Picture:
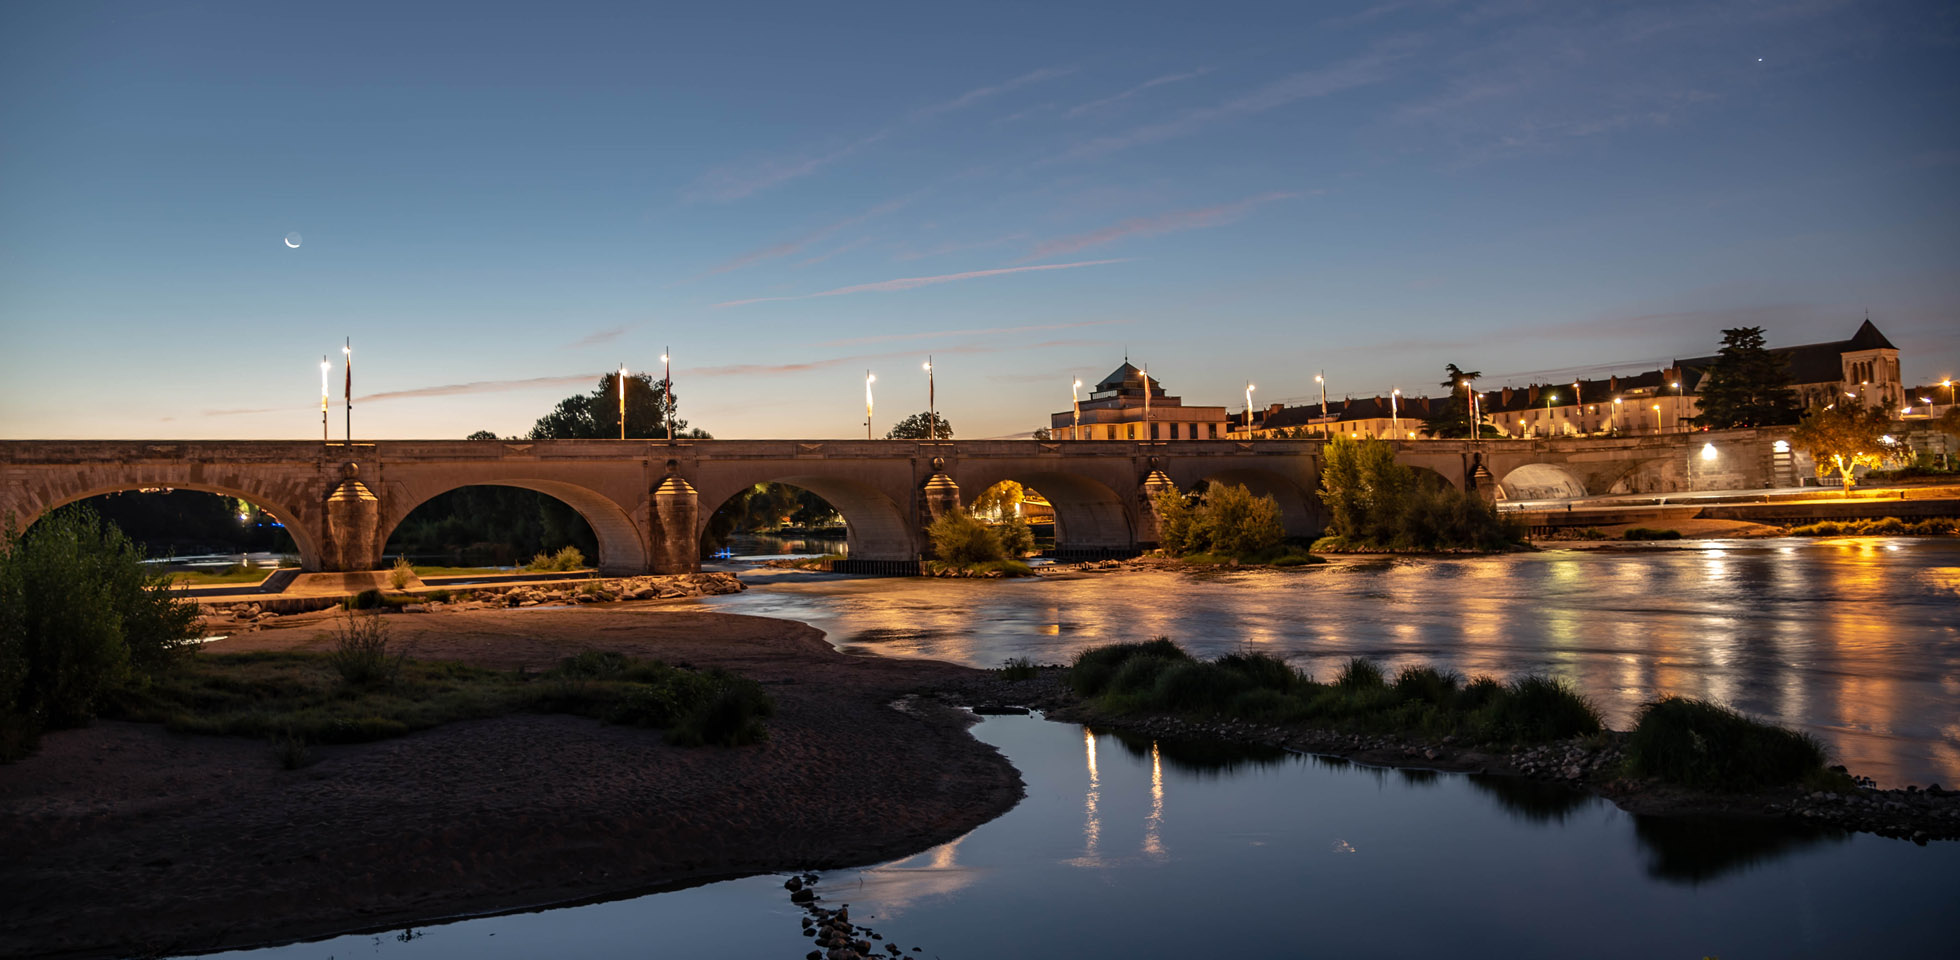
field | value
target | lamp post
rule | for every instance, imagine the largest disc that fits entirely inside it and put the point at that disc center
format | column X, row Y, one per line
column 324, row 394
column 1616, row 414
column 932, row 403
column 1075, row 402
column 1470, row 408
column 1321, row 378
column 1657, row 418
column 1394, row 415
column 1146, row 403
column 1248, row 409
column 667, row 368
column 347, row 389
column 868, row 380
column 622, row 401
column 1948, row 384
column 1549, row 397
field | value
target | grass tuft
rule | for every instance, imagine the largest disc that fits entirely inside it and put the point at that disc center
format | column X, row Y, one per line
column 1702, row 744
column 1018, row 668
column 360, row 651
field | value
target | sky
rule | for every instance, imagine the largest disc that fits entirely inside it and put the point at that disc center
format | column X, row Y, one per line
column 500, row 203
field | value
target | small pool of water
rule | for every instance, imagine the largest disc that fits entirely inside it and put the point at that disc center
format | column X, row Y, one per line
column 1131, row 848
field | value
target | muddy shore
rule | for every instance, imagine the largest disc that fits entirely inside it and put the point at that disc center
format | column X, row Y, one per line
column 123, row 839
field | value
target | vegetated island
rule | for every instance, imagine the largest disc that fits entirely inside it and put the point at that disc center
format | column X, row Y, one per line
column 1683, row 757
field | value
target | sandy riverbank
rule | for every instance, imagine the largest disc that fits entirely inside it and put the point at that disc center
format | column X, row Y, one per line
column 122, row 839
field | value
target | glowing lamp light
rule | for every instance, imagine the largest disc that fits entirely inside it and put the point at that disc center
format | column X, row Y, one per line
column 1708, row 451
column 1781, row 446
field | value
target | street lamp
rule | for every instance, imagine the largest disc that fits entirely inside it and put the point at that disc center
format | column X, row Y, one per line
column 868, row 380
column 1322, row 380
column 1075, row 402
column 932, row 403
column 1948, row 384
column 1248, row 409
column 1549, row 397
column 1470, row 408
column 1147, row 434
column 667, row 368
column 1657, row 418
column 347, row 390
column 1394, row 413
column 622, row 401
column 323, row 398
column 1616, row 414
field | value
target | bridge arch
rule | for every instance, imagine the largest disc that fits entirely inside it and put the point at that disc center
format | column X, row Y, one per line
column 1541, row 481
column 874, row 523
column 1089, row 514
column 298, row 525
column 622, row 545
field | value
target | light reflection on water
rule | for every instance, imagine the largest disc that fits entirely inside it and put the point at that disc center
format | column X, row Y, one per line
column 1856, row 640
column 1201, row 850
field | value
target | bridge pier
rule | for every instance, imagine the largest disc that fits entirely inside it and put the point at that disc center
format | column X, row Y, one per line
column 353, row 526
column 673, row 515
column 1149, row 533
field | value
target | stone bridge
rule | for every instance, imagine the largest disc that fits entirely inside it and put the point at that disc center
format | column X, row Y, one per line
column 649, row 502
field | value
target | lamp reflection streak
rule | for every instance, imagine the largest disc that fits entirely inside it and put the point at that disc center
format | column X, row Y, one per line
column 1091, row 816
column 1153, row 825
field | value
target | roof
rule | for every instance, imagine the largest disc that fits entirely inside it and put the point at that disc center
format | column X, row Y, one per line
column 1809, row 362
column 1127, row 380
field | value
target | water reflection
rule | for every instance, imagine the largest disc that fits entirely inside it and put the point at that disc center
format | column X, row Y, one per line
column 1697, row 850
column 1853, row 640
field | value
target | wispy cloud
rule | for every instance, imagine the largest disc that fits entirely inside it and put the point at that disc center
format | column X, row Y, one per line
column 736, row 181
column 1371, row 67
column 913, row 283
column 603, row 336
column 1081, row 109
column 860, row 359
column 795, row 246
column 990, row 331
column 1158, row 225
column 978, row 94
column 242, row 411
column 484, row 386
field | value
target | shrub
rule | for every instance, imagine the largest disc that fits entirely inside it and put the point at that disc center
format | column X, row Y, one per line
column 1360, row 673
column 565, row 560
column 1019, row 668
column 1375, row 503
column 1262, row 670
column 1229, row 523
column 731, row 717
column 360, row 652
column 1539, row 708
column 1703, row 744
column 1016, row 538
column 1096, row 667
column 1427, row 685
column 365, row 600
column 79, row 616
column 290, row 750
column 1649, row 533
column 959, row 539
column 400, row 573
column 594, row 663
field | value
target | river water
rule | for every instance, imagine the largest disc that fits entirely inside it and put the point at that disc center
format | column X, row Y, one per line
column 1135, row 848
column 1855, row 640
column 1129, row 848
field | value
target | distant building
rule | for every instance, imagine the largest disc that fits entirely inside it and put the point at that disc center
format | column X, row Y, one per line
column 1862, row 370
column 1116, row 410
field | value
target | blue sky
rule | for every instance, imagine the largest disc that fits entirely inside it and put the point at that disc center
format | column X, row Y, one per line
column 498, row 203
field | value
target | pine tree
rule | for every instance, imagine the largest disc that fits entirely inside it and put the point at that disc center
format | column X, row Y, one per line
column 1747, row 386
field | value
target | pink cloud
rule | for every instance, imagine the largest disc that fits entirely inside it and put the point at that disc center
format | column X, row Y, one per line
column 913, row 283
column 1157, row 225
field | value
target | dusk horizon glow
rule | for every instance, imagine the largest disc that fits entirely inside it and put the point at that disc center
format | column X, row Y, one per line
column 499, row 208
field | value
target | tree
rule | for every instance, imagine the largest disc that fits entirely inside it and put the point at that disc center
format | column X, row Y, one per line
column 1747, row 386
column 595, row 415
column 1842, row 439
column 482, row 435
column 1375, row 503
column 916, row 427
column 1452, row 418
column 999, row 500
column 1229, row 521
column 1041, row 433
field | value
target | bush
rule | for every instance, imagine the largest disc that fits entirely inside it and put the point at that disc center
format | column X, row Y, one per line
column 1016, row 538
column 1883, row 526
column 1019, row 668
column 1096, row 667
column 79, row 616
column 1702, row 744
column 360, row 652
column 1360, row 673
column 1540, row 708
column 1649, row 533
column 365, row 600
column 731, row 717
column 959, row 539
column 564, row 561
column 1427, row 685
column 1375, row 503
column 400, row 573
column 1229, row 523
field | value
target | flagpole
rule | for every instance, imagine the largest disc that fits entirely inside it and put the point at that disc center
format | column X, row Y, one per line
column 667, row 362
column 347, row 391
column 326, row 397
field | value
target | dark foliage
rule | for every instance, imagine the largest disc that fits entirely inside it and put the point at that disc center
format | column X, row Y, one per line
column 916, row 427
column 1703, row 744
column 1747, row 386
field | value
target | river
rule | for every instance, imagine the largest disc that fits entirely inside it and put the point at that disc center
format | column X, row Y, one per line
column 1129, row 848
column 1856, row 640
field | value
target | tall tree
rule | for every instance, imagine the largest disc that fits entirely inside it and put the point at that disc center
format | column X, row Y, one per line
column 1747, row 386
column 1841, row 439
column 595, row 415
column 1452, row 417
column 915, row 427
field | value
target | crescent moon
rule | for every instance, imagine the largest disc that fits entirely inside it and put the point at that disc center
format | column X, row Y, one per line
column 295, row 246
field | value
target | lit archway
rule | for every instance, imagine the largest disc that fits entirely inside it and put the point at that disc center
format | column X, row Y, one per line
column 621, row 546
column 1089, row 516
column 874, row 526
column 303, row 539
column 1299, row 512
column 1541, row 481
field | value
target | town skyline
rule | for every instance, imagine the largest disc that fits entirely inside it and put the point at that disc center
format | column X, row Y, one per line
column 202, row 203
